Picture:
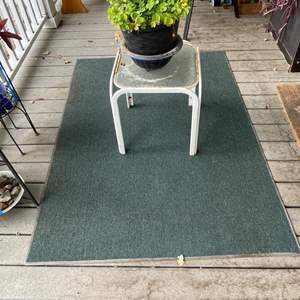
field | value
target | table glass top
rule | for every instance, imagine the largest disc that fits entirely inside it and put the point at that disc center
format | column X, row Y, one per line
column 181, row 71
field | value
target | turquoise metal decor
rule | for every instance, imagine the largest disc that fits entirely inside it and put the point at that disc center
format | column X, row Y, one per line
column 10, row 100
column 8, row 96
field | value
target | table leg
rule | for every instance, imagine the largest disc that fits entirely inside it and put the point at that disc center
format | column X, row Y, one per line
column 190, row 98
column 236, row 8
column 117, row 122
column 196, row 106
column 129, row 99
column 196, row 102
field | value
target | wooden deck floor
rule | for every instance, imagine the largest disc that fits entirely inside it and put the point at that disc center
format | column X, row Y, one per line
column 43, row 82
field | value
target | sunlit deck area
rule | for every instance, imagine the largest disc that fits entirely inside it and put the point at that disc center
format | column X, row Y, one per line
column 43, row 82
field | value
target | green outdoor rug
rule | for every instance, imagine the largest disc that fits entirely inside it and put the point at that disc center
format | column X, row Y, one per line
column 157, row 201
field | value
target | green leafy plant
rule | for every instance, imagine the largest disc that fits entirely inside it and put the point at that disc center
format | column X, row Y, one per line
column 133, row 15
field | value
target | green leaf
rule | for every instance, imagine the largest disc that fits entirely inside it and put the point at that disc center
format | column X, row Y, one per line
column 131, row 15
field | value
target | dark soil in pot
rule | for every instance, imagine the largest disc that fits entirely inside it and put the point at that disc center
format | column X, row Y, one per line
column 152, row 41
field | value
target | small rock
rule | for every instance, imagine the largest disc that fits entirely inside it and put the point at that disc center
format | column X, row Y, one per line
column 3, row 178
column 3, row 181
column 11, row 180
column 266, row 39
column 275, row 69
column 67, row 62
column 5, row 197
column 15, row 183
column 15, row 191
column 8, row 187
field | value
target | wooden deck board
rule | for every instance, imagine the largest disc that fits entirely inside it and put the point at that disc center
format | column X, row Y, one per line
column 32, row 172
column 259, row 65
column 281, row 151
column 257, row 88
column 43, row 106
column 40, row 120
column 290, row 192
column 54, row 93
column 267, row 116
column 43, row 82
column 47, row 136
column 134, row 283
column 19, row 221
column 285, row 171
column 274, row 133
column 262, row 102
column 294, row 214
column 266, row 76
column 34, row 153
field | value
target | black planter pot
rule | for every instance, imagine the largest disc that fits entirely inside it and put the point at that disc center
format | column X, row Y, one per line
column 152, row 41
column 289, row 39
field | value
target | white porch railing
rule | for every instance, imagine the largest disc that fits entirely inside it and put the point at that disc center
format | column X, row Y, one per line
column 26, row 18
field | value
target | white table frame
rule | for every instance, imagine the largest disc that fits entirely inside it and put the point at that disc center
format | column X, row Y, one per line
column 194, row 101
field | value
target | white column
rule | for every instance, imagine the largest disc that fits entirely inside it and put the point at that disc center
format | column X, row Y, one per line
column 53, row 11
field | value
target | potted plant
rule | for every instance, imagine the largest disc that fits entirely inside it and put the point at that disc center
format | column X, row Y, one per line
column 284, row 25
column 5, row 35
column 149, row 28
column 5, row 93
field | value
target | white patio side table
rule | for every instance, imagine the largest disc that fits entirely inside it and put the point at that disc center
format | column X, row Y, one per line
column 181, row 75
